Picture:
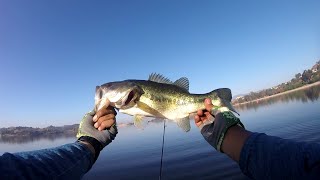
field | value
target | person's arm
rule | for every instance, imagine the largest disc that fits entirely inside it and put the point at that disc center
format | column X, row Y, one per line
column 70, row 161
column 259, row 156
column 225, row 136
column 269, row 157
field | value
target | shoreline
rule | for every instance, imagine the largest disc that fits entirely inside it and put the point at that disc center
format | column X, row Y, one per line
column 279, row 94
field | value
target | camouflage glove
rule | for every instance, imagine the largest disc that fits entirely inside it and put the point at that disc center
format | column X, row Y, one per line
column 214, row 129
column 98, row 139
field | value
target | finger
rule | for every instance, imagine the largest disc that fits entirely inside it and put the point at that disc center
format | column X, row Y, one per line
column 101, row 119
column 197, row 120
column 208, row 104
column 104, row 118
column 106, row 124
column 200, row 112
column 203, row 118
column 106, row 104
column 102, row 112
column 208, row 115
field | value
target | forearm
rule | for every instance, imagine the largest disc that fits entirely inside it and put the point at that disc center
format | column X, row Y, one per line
column 268, row 157
column 70, row 161
column 230, row 134
column 233, row 142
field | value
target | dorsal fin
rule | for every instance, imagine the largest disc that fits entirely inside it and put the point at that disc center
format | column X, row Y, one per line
column 159, row 78
column 183, row 83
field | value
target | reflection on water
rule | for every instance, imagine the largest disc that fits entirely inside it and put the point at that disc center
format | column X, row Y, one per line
column 304, row 95
column 34, row 145
column 30, row 139
column 30, row 134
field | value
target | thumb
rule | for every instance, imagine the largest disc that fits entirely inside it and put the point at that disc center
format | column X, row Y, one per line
column 208, row 104
column 103, row 104
column 107, row 102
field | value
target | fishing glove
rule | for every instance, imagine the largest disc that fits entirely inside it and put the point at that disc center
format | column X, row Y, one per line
column 98, row 139
column 214, row 130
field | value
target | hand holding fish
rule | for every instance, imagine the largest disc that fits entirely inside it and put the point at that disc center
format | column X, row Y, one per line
column 96, row 130
column 214, row 123
column 104, row 118
column 204, row 117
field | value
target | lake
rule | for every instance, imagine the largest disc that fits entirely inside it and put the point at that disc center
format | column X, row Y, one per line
column 135, row 153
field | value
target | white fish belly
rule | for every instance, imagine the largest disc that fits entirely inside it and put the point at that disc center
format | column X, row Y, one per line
column 135, row 111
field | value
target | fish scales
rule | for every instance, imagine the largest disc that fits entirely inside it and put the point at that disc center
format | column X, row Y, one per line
column 167, row 97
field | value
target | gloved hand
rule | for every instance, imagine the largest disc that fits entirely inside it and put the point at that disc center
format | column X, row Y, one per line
column 215, row 122
column 104, row 120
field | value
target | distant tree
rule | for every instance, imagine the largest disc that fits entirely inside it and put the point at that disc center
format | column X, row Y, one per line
column 298, row 75
column 315, row 77
column 269, row 92
column 263, row 93
column 306, row 75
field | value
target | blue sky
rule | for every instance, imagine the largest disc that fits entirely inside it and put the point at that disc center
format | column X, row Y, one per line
column 54, row 53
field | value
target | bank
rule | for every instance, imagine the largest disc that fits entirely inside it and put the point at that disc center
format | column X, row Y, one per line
column 279, row 94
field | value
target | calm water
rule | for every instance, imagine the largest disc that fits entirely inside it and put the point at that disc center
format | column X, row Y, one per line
column 136, row 153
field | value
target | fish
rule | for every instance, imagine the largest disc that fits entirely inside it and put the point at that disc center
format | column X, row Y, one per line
column 159, row 97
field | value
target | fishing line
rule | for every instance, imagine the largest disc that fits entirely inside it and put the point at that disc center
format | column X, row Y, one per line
column 164, row 130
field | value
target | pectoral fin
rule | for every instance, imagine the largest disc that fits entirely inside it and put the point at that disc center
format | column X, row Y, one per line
column 184, row 123
column 138, row 122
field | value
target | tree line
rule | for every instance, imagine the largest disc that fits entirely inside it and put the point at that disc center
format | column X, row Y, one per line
column 308, row 76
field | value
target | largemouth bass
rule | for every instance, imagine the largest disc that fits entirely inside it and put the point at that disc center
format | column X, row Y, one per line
column 158, row 97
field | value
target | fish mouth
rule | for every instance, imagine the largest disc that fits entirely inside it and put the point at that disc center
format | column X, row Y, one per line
column 131, row 97
column 128, row 98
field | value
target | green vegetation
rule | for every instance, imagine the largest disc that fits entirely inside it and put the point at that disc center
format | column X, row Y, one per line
column 308, row 76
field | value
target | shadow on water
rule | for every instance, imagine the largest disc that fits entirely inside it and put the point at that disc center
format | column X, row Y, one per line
column 304, row 95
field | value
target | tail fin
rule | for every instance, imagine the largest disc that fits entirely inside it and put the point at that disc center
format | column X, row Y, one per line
column 223, row 93
column 225, row 96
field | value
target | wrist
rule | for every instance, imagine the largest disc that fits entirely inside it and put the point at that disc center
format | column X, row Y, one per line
column 233, row 142
column 215, row 133
column 89, row 146
column 93, row 144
